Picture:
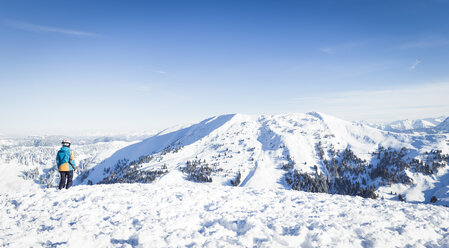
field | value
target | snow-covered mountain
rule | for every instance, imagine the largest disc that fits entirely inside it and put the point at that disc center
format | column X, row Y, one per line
column 443, row 126
column 311, row 152
column 178, row 187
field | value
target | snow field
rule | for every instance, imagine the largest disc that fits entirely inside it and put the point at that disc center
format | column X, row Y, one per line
column 165, row 214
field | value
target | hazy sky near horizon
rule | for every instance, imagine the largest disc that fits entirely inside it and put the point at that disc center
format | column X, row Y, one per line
column 72, row 67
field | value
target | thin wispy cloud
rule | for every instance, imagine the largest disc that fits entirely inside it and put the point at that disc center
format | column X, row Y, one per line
column 160, row 72
column 328, row 50
column 339, row 47
column 31, row 27
column 414, row 65
column 427, row 43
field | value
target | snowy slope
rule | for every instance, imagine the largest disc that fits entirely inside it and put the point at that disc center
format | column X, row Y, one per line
column 166, row 214
column 264, row 149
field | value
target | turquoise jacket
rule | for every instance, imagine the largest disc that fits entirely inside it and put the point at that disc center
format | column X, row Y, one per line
column 65, row 159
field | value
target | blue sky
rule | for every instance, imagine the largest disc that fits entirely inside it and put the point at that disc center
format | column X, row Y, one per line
column 73, row 67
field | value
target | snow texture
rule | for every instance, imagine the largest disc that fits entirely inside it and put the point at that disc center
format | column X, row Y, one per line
column 198, row 215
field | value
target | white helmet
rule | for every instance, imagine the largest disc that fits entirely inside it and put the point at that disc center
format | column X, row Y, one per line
column 66, row 142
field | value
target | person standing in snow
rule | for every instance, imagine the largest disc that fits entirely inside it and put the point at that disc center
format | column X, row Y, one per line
column 66, row 164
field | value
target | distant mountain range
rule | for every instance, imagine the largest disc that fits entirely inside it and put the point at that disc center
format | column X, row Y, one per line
column 429, row 125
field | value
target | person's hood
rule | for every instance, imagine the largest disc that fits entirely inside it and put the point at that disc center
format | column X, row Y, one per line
column 65, row 148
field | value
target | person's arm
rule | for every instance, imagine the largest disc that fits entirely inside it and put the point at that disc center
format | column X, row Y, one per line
column 72, row 160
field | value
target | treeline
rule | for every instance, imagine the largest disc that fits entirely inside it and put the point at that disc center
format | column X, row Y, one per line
column 198, row 171
column 132, row 172
column 347, row 174
column 124, row 172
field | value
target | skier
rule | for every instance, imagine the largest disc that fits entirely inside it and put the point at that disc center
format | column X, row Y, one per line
column 66, row 164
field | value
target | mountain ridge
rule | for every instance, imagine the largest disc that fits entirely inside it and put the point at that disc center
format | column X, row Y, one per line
column 284, row 151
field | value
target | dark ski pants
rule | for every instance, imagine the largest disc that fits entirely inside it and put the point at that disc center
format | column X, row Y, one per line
column 65, row 175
